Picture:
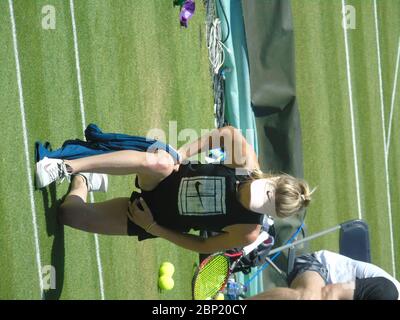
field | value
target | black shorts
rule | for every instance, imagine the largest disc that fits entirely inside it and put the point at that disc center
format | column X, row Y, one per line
column 307, row 262
column 134, row 229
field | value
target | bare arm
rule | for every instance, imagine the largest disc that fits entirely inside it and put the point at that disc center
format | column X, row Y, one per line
column 339, row 291
column 239, row 153
column 206, row 142
column 199, row 244
column 234, row 236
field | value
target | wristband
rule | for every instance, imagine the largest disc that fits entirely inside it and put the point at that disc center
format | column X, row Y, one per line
column 150, row 226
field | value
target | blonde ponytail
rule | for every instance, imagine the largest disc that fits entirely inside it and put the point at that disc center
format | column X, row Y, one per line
column 291, row 194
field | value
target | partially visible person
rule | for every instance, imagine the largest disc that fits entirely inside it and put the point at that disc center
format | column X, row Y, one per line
column 325, row 275
column 231, row 198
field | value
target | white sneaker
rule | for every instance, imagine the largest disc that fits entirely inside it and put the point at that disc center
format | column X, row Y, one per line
column 50, row 170
column 95, row 181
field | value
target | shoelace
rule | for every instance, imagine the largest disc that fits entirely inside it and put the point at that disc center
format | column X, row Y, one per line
column 59, row 172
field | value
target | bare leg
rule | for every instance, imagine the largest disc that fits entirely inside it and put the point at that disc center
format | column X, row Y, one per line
column 151, row 168
column 109, row 217
column 123, row 163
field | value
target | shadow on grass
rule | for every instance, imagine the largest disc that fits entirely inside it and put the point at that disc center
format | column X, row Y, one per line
column 56, row 230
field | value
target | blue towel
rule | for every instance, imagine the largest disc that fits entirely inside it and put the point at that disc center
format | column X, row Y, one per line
column 98, row 142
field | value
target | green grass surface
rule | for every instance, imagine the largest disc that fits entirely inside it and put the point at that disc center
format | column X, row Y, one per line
column 323, row 93
column 139, row 71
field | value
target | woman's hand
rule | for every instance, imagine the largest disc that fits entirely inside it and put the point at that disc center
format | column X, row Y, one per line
column 181, row 159
column 143, row 218
column 182, row 155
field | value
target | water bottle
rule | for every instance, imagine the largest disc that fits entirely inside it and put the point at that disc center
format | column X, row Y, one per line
column 215, row 156
column 234, row 289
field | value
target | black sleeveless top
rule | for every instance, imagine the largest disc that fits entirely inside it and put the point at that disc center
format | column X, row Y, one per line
column 200, row 197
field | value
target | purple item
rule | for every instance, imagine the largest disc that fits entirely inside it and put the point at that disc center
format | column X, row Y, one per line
column 187, row 12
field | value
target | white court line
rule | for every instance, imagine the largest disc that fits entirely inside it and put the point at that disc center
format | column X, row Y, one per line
column 353, row 133
column 82, row 108
column 26, row 149
column 378, row 52
column 393, row 100
column 389, row 201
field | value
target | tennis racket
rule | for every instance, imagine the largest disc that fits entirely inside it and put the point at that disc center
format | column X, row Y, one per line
column 212, row 274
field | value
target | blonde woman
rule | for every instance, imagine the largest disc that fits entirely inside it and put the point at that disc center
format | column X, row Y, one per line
column 230, row 198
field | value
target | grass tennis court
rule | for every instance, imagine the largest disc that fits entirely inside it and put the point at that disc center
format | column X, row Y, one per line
column 330, row 135
column 138, row 70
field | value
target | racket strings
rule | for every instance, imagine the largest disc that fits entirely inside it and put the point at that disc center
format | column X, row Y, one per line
column 211, row 278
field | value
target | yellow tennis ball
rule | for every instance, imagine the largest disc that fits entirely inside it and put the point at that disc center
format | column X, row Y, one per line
column 219, row 296
column 167, row 269
column 165, row 282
